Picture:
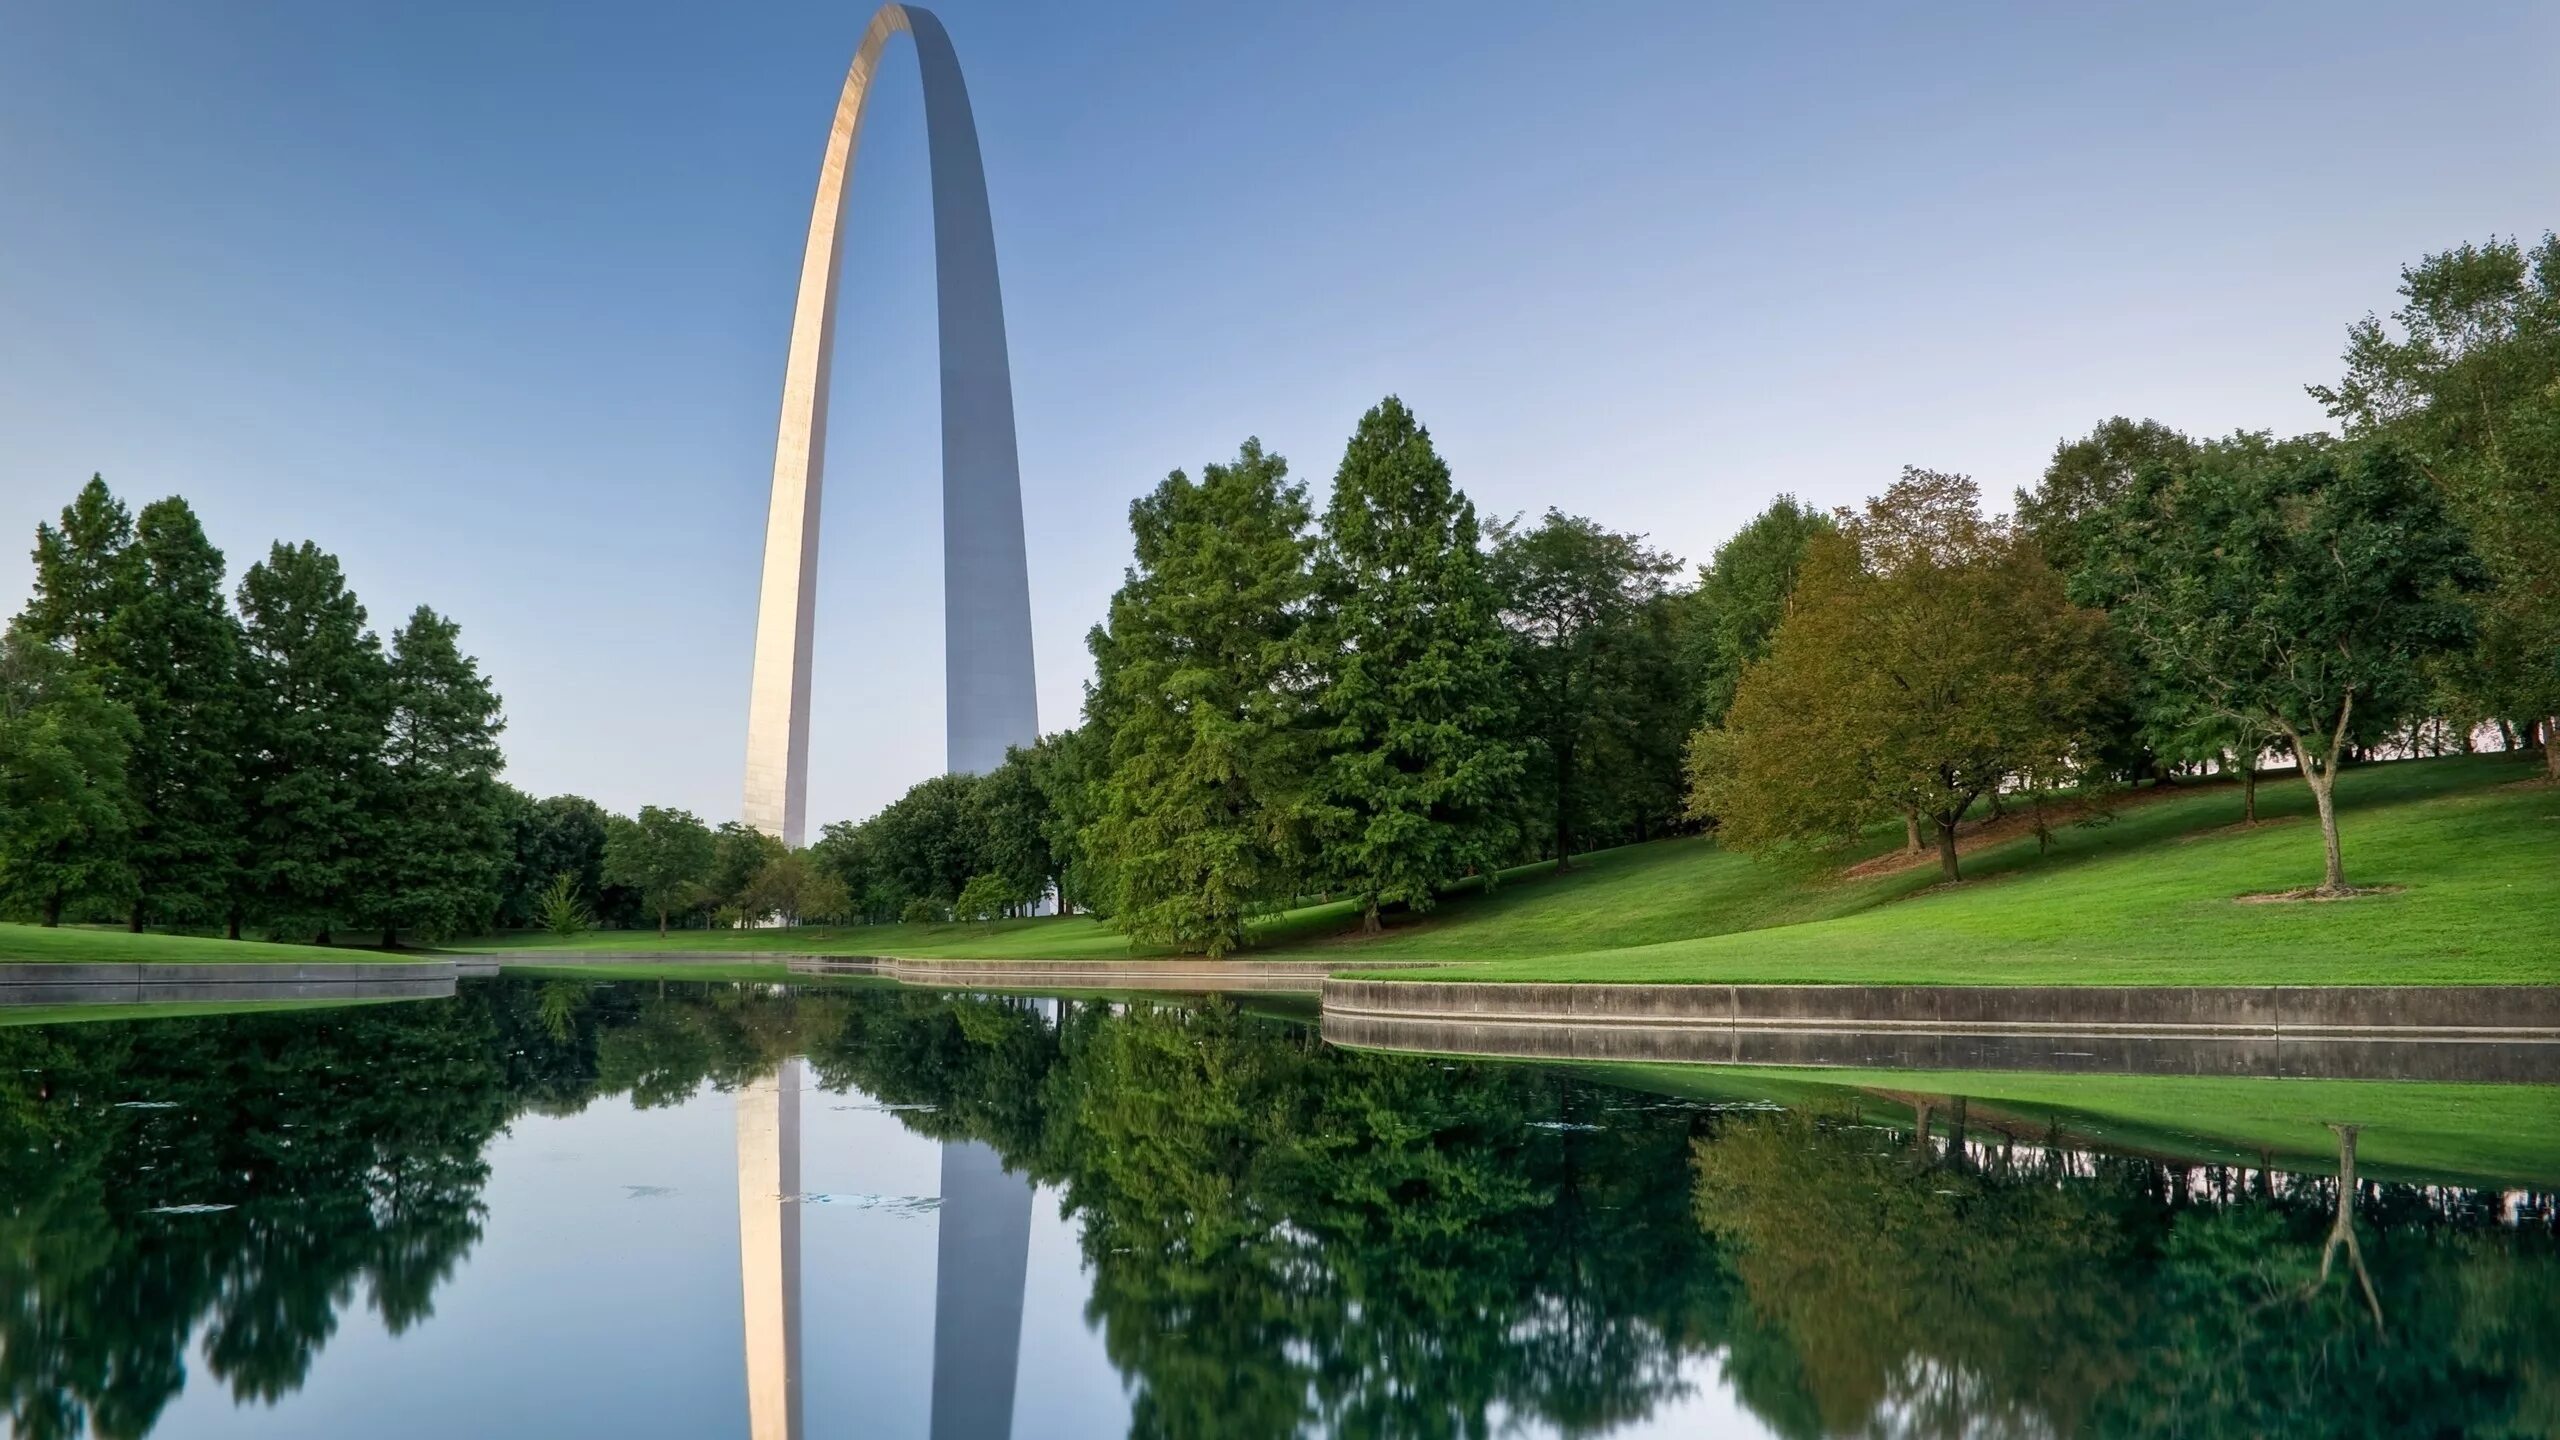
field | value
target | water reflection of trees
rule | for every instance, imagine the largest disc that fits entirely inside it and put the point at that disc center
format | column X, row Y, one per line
column 1282, row 1238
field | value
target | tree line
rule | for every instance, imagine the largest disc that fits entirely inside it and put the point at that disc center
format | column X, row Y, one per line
column 1384, row 699
column 1392, row 696
column 172, row 755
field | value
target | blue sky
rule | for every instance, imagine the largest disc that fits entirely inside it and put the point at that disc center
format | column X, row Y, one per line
column 490, row 298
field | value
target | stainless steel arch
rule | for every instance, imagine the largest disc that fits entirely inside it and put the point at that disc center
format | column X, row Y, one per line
column 986, row 591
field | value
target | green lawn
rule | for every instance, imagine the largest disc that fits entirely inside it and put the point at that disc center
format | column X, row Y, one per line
column 174, row 1010
column 2474, row 860
column 2492, row 1134
column 113, row 945
column 2147, row 898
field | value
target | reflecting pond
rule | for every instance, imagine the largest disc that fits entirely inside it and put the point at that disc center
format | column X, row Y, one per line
column 669, row 1209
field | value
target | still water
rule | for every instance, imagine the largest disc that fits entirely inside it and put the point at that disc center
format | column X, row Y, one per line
column 569, row 1208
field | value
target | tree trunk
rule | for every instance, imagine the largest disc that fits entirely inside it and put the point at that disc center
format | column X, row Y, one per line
column 662, row 924
column 2249, row 793
column 1947, row 850
column 322, row 938
column 2323, row 780
column 51, row 914
column 133, row 918
column 2551, row 748
column 1369, row 924
column 1996, row 810
column 1910, row 831
column 231, row 928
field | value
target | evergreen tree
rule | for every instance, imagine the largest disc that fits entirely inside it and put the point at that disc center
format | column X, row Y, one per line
column 173, row 656
column 1199, row 701
column 1418, row 770
column 442, row 824
column 81, row 572
column 547, row 838
column 65, row 819
column 319, row 698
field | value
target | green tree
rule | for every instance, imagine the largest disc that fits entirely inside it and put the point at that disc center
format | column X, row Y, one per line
column 1419, row 773
column 739, row 853
column 1200, row 695
column 2466, row 379
column 443, row 824
column 173, row 652
column 986, row 897
column 1013, row 809
column 1742, row 595
column 794, row 888
column 2301, row 588
column 318, row 697
column 1577, row 599
column 933, row 838
column 2088, row 475
column 65, row 814
column 1930, row 657
column 82, row 577
column 560, row 909
column 564, row 833
column 665, row 856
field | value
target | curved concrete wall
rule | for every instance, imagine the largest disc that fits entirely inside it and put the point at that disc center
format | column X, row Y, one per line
column 986, row 589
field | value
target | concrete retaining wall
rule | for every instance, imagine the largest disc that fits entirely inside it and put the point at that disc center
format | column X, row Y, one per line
column 146, row 983
column 2518, row 1012
column 1304, row 977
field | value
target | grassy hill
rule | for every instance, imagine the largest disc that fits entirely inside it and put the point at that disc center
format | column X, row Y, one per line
column 2148, row 894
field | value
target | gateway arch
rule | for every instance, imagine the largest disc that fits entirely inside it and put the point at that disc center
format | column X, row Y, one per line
column 986, row 590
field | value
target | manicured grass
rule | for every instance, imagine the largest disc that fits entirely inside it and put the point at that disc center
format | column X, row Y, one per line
column 2146, row 898
column 102, row 946
column 2487, row 1134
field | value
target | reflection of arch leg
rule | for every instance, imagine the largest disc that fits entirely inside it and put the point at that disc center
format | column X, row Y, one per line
column 769, row 1249
column 979, row 1264
column 987, row 660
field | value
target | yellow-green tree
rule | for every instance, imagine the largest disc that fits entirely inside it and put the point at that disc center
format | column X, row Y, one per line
column 1929, row 657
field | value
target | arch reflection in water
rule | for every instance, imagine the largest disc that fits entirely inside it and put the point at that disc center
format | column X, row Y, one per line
column 982, row 1257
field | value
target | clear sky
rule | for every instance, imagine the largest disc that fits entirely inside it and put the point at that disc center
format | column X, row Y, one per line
column 490, row 297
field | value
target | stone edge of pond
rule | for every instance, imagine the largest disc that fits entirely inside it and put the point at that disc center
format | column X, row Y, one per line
column 2450, row 1012
column 47, row 982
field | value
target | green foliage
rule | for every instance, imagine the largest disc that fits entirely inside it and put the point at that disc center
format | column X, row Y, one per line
column 318, row 704
column 2296, row 587
column 1930, row 657
column 933, row 838
column 2087, row 477
column 1021, row 827
column 2470, row 385
column 546, row 838
column 560, row 909
column 985, row 897
column 1742, row 595
column 1199, row 700
column 443, row 823
column 173, row 652
column 1580, row 602
column 82, row 577
column 920, row 911
column 664, row 856
column 1418, row 772
column 793, row 887
column 739, row 853
column 65, row 819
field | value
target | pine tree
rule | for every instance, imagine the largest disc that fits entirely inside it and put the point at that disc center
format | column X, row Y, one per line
column 64, row 813
column 442, row 820
column 1419, row 772
column 172, row 654
column 319, row 699
column 1200, row 687
column 81, row 572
